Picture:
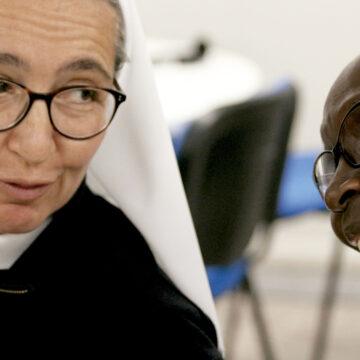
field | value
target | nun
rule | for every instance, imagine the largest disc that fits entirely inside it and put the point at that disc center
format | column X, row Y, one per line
column 97, row 250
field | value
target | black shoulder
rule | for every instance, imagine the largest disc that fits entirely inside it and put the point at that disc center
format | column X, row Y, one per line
column 123, row 257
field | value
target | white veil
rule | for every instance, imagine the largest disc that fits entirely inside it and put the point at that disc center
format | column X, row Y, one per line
column 135, row 169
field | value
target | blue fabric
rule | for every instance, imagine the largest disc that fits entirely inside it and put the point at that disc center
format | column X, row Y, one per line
column 298, row 193
column 178, row 134
column 224, row 278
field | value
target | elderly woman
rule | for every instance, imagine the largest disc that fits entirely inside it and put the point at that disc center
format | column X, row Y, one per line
column 337, row 169
column 76, row 273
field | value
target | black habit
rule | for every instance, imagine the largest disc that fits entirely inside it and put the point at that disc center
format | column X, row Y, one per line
column 90, row 284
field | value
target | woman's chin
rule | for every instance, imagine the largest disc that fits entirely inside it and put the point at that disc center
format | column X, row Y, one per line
column 17, row 219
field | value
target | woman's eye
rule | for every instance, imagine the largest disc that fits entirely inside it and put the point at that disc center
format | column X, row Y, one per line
column 84, row 95
column 4, row 86
column 76, row 97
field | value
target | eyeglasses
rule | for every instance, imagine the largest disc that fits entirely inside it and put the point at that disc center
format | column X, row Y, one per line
column 326, row 163
column 76, row 112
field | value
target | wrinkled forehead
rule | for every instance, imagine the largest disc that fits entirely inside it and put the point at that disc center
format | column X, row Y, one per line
column 344, row 93
column 94, row 9
column 45, row 35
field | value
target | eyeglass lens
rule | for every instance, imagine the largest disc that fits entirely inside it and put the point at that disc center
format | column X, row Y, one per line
column 77, row 112
column 325, row 168
column 83, row 111
column 14, row 101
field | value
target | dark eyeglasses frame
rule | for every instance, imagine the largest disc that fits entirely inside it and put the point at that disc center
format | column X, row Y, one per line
column 337, row 150
column 48, row 98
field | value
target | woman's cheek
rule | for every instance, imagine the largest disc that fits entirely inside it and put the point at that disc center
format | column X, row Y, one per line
column 77, row 154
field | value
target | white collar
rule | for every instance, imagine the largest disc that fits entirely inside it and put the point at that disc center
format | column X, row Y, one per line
column 12, row 246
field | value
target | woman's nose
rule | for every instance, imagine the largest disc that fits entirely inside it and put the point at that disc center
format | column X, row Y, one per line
column 33, row 138
column 343, row 187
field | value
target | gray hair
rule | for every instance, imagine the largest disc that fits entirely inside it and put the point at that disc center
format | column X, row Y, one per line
column 120, row 55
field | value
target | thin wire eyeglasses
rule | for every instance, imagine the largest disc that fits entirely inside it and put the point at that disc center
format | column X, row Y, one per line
column 76, row 112
column 326, row 163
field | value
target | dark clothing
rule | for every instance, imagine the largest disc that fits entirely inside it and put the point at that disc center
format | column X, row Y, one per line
column 89, row 284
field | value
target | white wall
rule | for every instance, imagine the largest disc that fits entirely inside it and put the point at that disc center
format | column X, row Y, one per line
column 310, row 41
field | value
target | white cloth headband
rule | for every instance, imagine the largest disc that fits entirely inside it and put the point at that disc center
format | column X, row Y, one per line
column 135, row 169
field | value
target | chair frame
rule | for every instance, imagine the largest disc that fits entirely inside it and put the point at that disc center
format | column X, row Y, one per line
column 273, row 111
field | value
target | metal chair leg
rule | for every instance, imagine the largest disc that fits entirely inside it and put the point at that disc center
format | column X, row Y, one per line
column 264, row 338
column 232, row 323
column 327, row 302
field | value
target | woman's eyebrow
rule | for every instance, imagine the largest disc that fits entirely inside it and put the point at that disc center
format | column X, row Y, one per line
column 84, row 64
column 80, row 64
column 9, row 59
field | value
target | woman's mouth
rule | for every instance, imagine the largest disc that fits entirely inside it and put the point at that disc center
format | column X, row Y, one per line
column 23, row 190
